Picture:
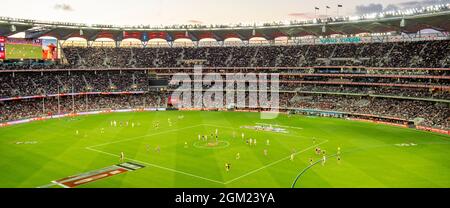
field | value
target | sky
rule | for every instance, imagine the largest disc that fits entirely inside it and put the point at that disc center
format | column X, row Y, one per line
column 165, row 12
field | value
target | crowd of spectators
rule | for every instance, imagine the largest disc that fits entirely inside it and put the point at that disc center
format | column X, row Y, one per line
column 384, row 91
column 33, row 108
column 432, row 114
column 429, row 54
column 49, row 83
column 435, row 115
column 300, row 87
column 62, row 82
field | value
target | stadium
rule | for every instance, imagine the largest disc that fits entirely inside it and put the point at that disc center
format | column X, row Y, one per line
column 334, row 102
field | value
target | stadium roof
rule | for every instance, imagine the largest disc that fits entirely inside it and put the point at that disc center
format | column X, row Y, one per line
column 439, row 21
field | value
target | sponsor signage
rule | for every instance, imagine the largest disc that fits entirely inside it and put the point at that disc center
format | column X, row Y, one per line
column 2, row 47
column 340, row 40
column 95, row 175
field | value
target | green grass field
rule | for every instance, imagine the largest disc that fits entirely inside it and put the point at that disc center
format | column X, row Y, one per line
column 34, row 154
column 22, row 51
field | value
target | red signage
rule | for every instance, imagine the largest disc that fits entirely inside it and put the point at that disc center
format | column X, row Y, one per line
column 206, row 35
column 231, row 35
column 136, row 35
column 278, row 34
column 105, row 35
column 157, row 35
column 180, row 35
column 2, row 47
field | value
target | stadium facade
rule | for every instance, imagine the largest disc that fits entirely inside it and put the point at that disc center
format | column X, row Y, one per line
column 410, row 22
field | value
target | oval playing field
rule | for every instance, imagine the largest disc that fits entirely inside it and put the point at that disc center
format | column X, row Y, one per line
column 85, row 152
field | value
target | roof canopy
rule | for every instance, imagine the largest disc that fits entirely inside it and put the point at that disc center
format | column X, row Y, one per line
column 439, row 21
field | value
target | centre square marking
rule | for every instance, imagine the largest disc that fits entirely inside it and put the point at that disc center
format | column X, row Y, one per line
column 179, row 155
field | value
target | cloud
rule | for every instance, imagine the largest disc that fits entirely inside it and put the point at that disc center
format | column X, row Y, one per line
column 423, row 3
column 376, row 8
column 63, row 7
column 301, row 15
column 391, row 7
column 370, row 8
column 195, row 21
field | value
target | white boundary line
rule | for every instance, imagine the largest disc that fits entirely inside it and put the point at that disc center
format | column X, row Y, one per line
column 91, row 148
column 60, row 184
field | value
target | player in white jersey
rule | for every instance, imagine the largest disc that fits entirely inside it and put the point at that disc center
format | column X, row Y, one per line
column 324, row 160
column 292, row 156
column 122, row 156
column 251, row 141
column 199, row 137
column 266, row 152
column 254, row 142
column 238, row 156
column 132, row 125
column 268, row 142
column 243, row 136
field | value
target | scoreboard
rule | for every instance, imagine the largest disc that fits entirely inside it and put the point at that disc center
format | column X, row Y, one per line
column 2, row 47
